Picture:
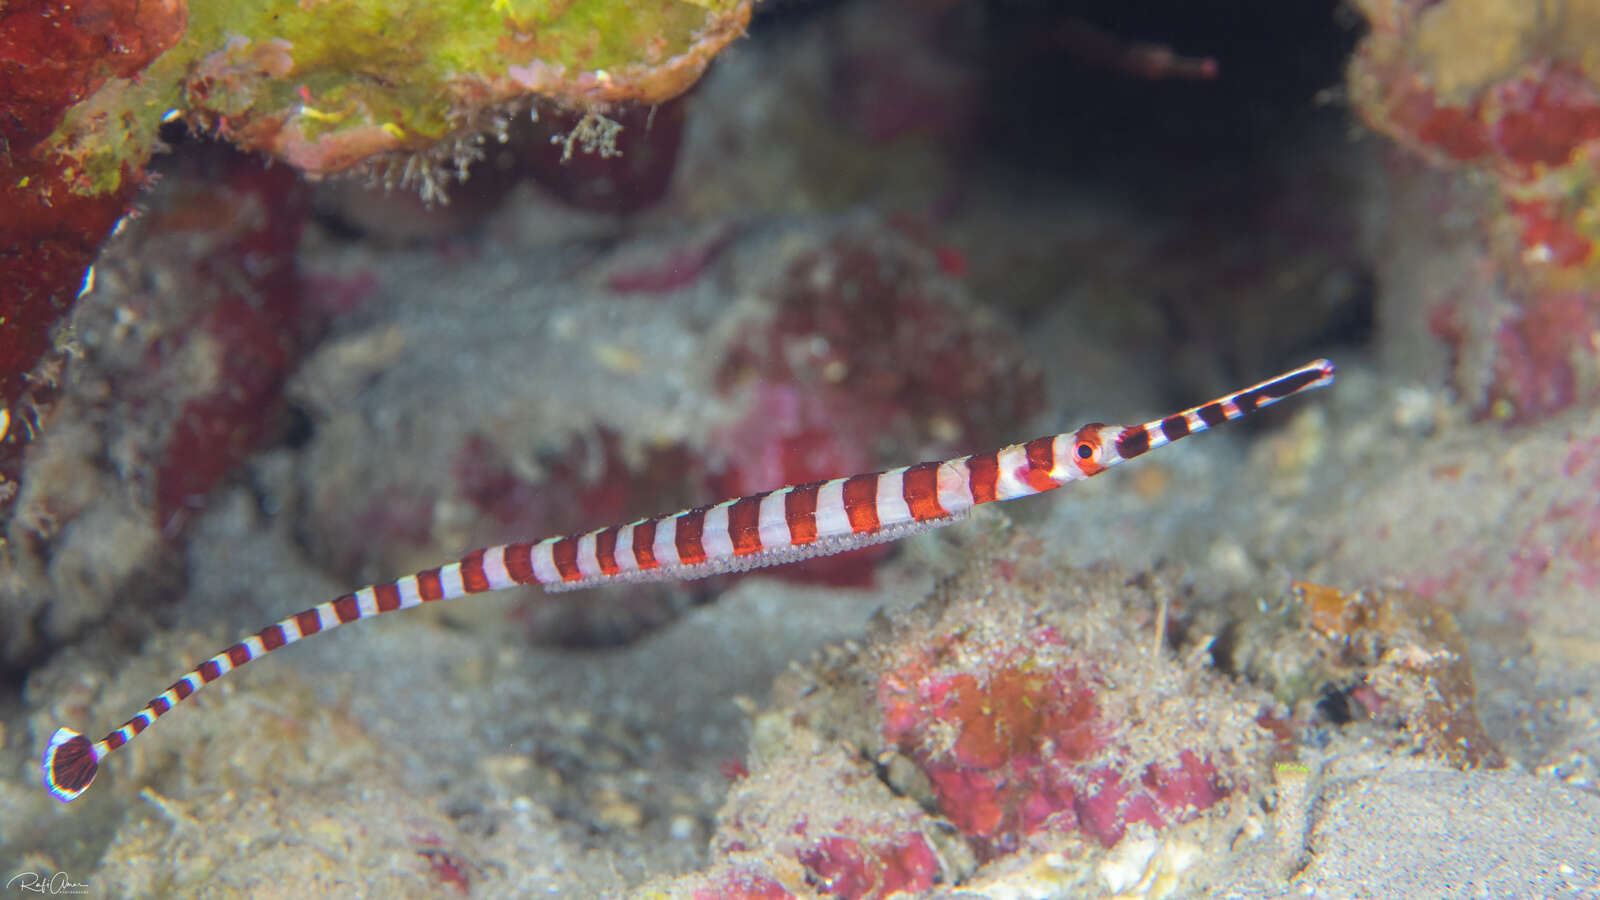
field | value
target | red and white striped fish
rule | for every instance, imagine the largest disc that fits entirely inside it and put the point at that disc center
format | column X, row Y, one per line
column 767, row 529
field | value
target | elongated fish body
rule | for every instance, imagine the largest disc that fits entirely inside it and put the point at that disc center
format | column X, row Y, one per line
column 780, row 526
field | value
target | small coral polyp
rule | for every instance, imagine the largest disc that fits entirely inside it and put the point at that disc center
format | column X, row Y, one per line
column 1017, row 742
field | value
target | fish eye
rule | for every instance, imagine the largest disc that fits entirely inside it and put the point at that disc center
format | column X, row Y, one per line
column 1085, row 450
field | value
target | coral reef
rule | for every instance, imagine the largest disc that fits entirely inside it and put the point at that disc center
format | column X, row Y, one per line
column 1051, row 715
column 51, row 230
column 1119, row 691
column 1508, row 94
column 1027, row 712
column 1021, row 742
column 388, row 87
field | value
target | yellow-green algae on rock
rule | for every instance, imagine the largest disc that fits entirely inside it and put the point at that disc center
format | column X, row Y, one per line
column 327, row 84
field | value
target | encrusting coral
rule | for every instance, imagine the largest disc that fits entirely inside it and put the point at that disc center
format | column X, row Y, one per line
column 1020, row 716
column 402, row 90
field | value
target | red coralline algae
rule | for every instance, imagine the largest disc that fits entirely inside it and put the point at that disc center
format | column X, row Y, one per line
column 1543, row 116
column 1535, row 375
column 88, row 87
column 867, row 357
column 852, row 870
column 1019, row 744
column 51, row 57
column 733, row 769
column 869, row 326
column 447, row 868
column 863, row 867
column 1549, row 234
column 1539, row 118
column 255, row 325
column 1523, row 115
column 997, row 722
column 1452, row 129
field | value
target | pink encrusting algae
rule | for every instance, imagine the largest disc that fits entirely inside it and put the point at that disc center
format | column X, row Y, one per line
column 1017, row 713
column 853, row 870
column 771, row 528
column 1018, row 743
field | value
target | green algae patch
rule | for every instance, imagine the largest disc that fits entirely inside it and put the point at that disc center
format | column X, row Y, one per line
column 329, row 85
